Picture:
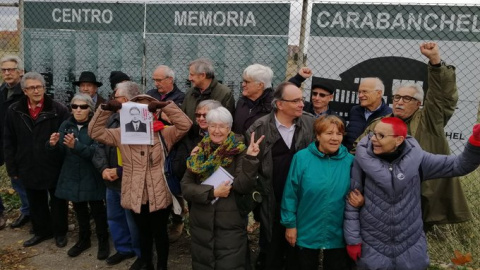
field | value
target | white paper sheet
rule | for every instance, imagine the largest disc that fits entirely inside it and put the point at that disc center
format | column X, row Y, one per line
column 136, row 124
column 217, row 178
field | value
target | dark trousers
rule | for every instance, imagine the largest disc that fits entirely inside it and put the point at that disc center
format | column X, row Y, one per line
column 152, row 227
column 99, row 214
column 300, row 258
column 48, row 217
column 277, row 248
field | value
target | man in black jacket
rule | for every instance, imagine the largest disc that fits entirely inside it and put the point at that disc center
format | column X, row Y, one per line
column 165, row 88
column 28, row 126
column 287, row 130
column 372, row 106
column 135, row 125
column 256, row 99
column 11, row 92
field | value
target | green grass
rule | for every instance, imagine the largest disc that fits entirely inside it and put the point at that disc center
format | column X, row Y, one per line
column 11, row 201
column 464, row 237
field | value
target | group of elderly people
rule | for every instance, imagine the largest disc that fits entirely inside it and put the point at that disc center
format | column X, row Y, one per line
column 309, row 192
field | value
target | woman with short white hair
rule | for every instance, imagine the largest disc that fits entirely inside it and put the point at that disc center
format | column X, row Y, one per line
column 219, row 236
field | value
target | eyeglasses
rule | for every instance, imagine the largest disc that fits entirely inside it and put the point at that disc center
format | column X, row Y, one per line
column 314, row 94
column 34, row 87
column 82, row 106
column 115, row 97
column 159, row 80
column 406, row 99
column 296, row 101
column 247, row 82
column 198, row 115
column 221, row 127
column 9, row 70
column 379, row 136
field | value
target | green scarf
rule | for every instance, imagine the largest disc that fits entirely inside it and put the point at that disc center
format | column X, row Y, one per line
column 207, row 160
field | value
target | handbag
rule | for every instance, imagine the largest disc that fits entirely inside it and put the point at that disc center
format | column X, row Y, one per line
column 247, row 202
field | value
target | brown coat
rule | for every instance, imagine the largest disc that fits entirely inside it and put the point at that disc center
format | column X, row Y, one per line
column 143, row 173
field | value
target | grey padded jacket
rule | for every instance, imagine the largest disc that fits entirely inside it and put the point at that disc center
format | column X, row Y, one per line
column 389, row 225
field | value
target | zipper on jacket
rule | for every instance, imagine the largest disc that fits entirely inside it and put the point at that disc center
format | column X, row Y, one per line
column 392, row 214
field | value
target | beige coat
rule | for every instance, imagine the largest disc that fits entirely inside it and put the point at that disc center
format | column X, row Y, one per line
column 143, row 174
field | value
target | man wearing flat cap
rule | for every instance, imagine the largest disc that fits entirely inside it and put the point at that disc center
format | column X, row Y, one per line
column 87, row 84
column 320, row 96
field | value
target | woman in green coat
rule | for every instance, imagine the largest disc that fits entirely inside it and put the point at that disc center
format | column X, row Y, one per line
column 314, row 199
column 79, row 181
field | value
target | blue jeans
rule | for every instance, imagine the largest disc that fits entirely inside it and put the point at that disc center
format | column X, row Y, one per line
column 17, row 185
column 122, row 225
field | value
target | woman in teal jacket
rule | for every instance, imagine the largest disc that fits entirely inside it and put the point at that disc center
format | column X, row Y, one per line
column 79, row 181
column 314, row 199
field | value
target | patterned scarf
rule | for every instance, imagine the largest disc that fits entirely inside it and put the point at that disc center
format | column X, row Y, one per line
column 208, row 159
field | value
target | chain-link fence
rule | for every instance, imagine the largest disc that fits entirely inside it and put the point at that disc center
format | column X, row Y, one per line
column 339, row 42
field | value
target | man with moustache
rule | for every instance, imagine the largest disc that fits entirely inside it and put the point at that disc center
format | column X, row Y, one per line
column 443, row 201
column 287, row 129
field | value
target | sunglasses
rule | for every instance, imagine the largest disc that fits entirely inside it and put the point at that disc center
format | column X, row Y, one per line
column 198, row 115
column 314, row 94
column 76, row 106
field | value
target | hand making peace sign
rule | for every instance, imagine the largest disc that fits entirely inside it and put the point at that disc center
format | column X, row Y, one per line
column 253, row 148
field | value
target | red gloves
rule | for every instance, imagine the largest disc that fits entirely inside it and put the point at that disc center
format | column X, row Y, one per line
column 475, row 138
column 112, row 105
column 354, row 251
column 154, row 105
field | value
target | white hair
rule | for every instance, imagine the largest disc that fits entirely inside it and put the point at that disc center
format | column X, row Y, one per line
column 128, row 89
column 378, row 83
column 168, row 72
column 210, row 104
column 259, row 73
column 418, row 90
column 32, row 76
column 12, row 58
column 220, row 115
column 85, row 98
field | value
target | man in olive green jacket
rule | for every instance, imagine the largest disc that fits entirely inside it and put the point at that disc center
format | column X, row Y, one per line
column 205, row 86
column 443, row 201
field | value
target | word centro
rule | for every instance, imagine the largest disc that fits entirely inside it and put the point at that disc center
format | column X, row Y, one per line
column 85, row 15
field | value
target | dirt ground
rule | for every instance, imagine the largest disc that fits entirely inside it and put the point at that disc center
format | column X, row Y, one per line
column 48, row 256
